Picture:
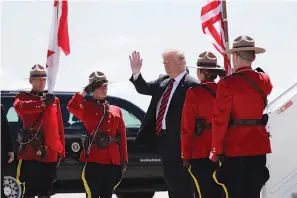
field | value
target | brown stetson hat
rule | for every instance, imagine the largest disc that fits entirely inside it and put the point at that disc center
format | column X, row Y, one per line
column 208, row 61
column 37, row 72
column 98, row 76
column 244, row 43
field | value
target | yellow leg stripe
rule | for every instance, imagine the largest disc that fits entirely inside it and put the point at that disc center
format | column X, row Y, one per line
column 83, row 177
column 118, row 182
column 17, row 177
column 195, row 181
column 18, row 172
column 221, row 184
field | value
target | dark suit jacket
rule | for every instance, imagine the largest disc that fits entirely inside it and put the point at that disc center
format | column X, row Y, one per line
column 146, row 134
column 6, row 138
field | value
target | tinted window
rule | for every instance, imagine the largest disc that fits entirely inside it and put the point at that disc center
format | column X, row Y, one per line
column 72, row 122
column 69, row 120
column 130, row 120
column 12, row 115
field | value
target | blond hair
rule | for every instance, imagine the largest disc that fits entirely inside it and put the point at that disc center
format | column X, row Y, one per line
column 180, row 54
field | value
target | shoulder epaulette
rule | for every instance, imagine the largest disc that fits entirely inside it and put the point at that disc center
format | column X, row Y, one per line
column 195, row 85
column 258, row 69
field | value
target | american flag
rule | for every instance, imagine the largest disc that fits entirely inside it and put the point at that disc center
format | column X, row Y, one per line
column 59, row 40
column 213, row 25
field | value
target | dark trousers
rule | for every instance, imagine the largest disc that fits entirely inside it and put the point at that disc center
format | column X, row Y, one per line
column 2, row 180
column 244, row 176
column 100, row 179
column 37, row 177
column 177, row 177
column 202, row 170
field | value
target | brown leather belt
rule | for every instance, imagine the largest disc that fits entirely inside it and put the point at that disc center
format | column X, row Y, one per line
column 247, row 122
column 208, row 126
column 109, row 139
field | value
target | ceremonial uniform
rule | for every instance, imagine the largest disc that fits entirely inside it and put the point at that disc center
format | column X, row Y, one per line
column 196, row 130
column 239, row 127
column 41, row 141
column 102, row 171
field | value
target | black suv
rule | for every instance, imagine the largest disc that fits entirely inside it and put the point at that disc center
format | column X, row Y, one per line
column 144, row 174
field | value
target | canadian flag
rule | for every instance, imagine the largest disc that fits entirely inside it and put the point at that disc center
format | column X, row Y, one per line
column 59, row 39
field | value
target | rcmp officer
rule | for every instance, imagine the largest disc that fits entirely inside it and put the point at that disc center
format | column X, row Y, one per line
column 196, row 127
column 41, row 141
column 240, row 139
column 105, row 146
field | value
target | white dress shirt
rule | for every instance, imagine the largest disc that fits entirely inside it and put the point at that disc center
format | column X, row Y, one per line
column 175, row 84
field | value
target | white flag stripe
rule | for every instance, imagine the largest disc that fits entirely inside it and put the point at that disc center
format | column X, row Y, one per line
column 210, row 14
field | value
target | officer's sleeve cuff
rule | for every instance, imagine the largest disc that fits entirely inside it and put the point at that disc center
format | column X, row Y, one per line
column 216, row 151
column 185, row 156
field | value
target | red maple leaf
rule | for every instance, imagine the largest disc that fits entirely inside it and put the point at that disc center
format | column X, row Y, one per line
column 49, row 53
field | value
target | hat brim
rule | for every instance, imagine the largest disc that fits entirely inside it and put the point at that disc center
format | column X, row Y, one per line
column 257, row 50
column 219, row 69
column 105, row 83
column 35, row 78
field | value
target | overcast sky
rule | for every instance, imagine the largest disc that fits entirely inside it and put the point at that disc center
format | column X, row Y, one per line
column 103, row 33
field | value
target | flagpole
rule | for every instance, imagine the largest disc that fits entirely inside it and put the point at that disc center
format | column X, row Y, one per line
column 225, row 21
column 226, row 31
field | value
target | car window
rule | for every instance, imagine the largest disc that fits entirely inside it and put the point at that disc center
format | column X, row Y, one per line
column 73, row 122
column 11, row 115
column 130, row 120
column 69, row 120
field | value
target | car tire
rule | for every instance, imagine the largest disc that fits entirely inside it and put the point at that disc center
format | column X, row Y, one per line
column 11, row 187
column 136, row 195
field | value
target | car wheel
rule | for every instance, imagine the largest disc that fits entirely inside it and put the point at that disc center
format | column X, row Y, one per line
column 136, row 195
column 11, row 187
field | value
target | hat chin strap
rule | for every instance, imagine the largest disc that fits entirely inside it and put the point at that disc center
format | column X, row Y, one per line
column 245, row 58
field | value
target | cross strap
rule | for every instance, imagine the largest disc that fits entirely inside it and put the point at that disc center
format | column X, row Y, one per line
column 212, row 92
column 253, row 84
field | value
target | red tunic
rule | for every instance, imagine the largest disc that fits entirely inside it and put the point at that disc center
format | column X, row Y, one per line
column 199, row 103
column 90, row 114
column 28, row 107
column 237, row 96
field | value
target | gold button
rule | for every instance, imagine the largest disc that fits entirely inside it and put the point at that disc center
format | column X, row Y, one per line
column 108, row 129
column 108, row 120
column 96, row 113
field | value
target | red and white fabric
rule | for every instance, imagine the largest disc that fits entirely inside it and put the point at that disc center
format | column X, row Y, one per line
column 213, row 25
column 59, row 40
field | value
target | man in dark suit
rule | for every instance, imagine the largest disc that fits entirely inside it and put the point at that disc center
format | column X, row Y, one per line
column 161, row 125
column 7, row 154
